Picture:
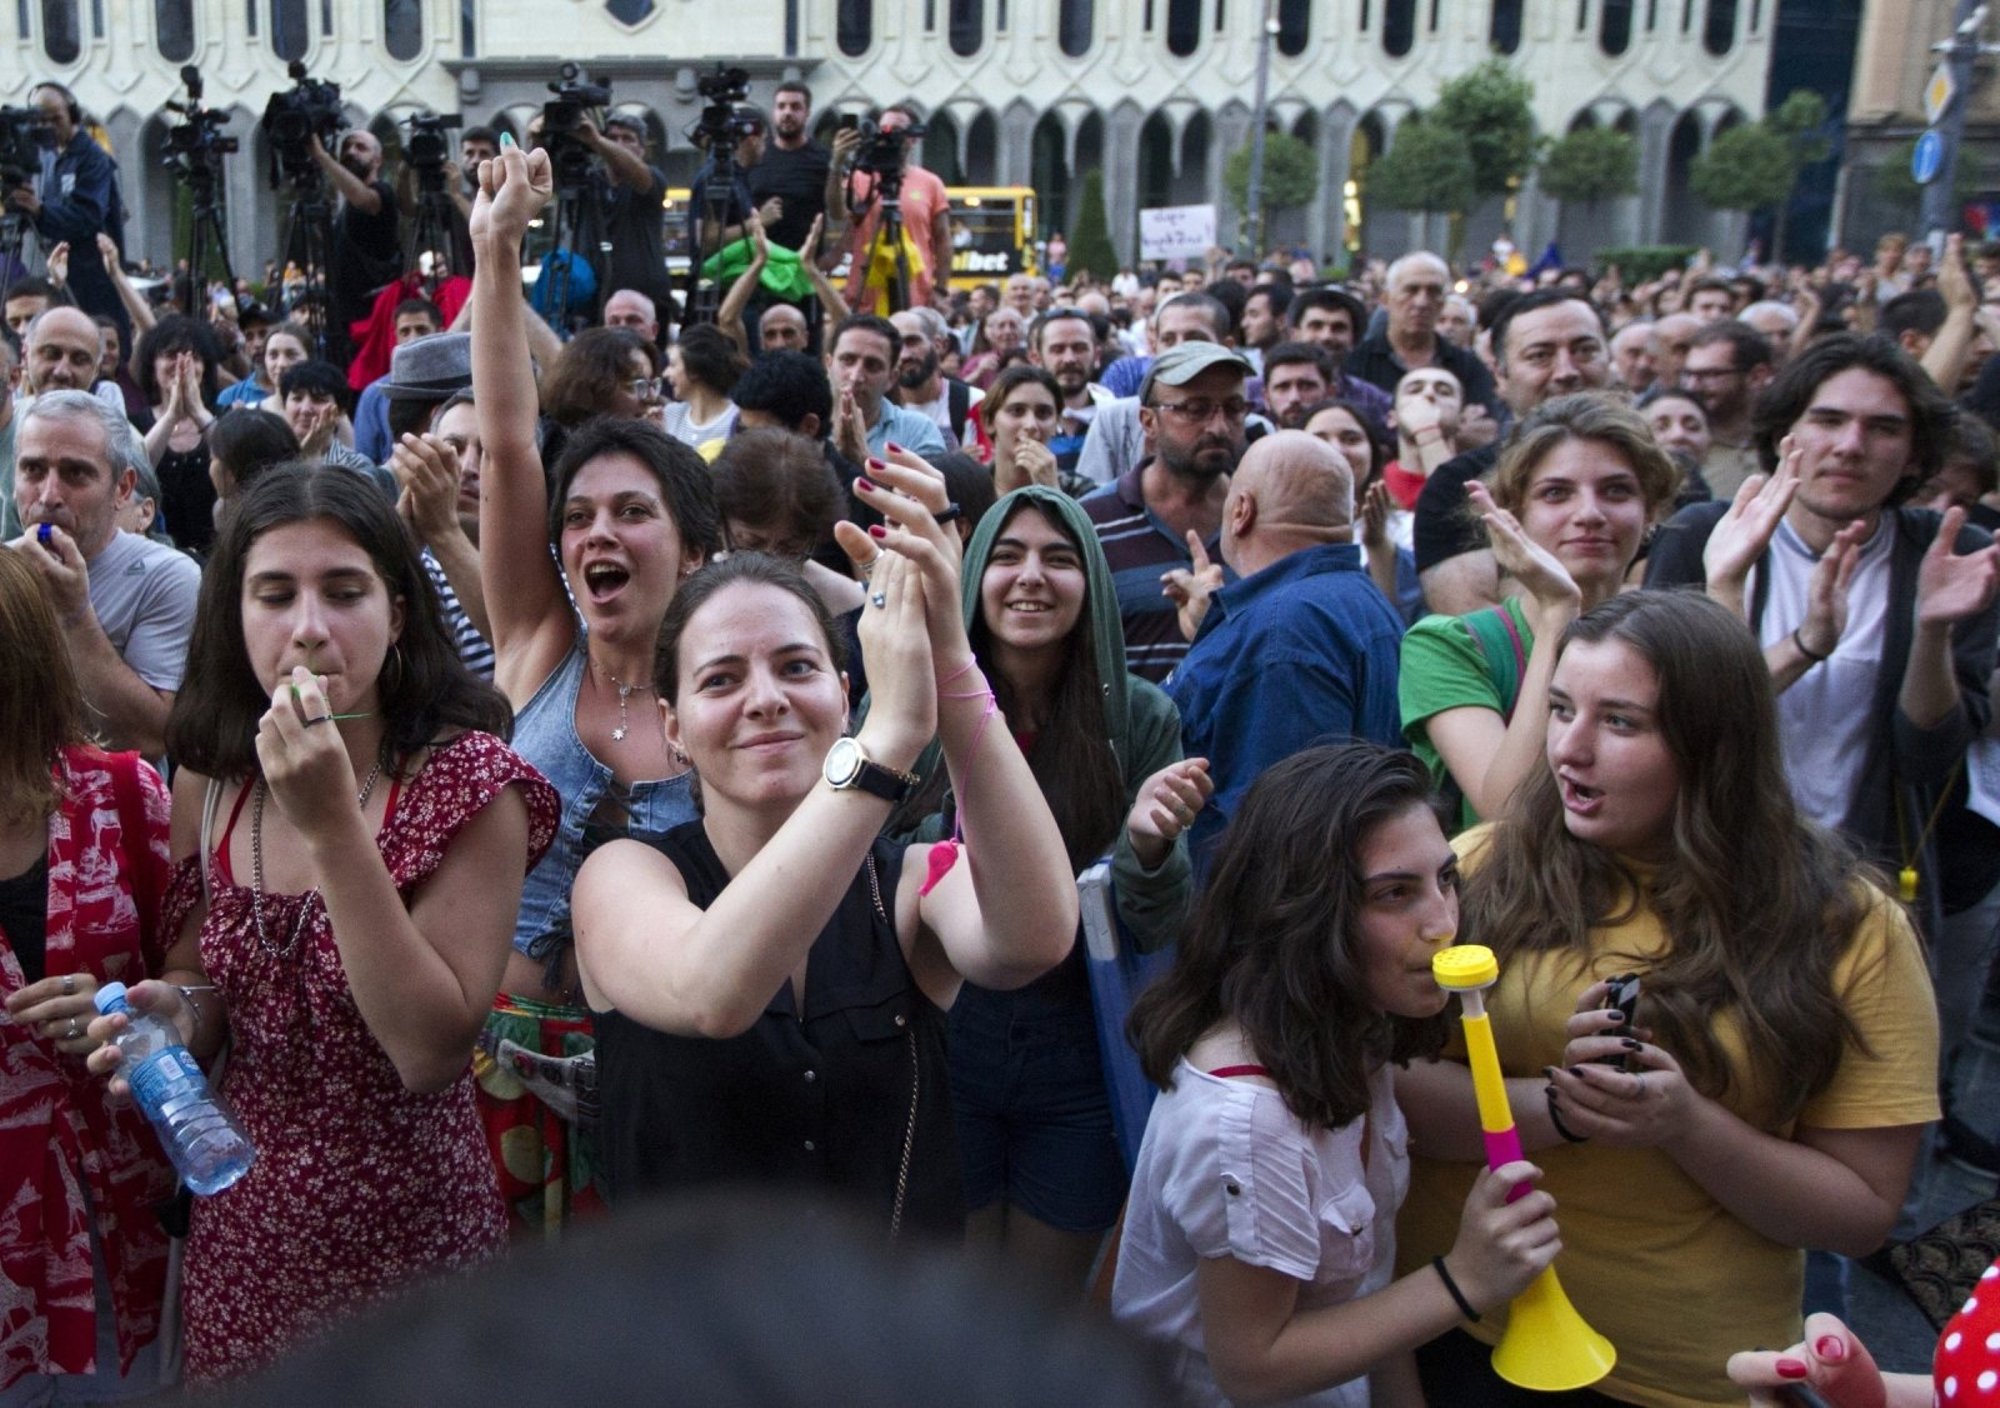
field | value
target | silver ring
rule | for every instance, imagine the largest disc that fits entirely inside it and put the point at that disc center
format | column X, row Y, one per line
column 75, row 1028
column 69, row 985
column 879, row 599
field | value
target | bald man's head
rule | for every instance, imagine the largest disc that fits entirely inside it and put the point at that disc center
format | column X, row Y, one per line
column 1290, row 492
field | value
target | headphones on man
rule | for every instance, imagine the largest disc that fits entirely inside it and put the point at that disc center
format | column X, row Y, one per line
column 69, row 100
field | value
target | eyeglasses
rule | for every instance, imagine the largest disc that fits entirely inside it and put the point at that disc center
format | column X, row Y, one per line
column 1200, row 412
column 645, row 388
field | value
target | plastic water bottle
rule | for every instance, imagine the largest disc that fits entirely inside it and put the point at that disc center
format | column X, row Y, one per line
column 197, row 1130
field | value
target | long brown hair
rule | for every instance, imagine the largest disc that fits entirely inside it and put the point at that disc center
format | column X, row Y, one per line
column 1757, row 903
column 1274, row 942
column 41, row 704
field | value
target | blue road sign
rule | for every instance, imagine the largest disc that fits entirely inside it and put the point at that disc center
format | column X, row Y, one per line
column 1927, row 158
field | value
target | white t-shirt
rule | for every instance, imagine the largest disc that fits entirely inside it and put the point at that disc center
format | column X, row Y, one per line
column 688, row 431
column 1827, row 718
column 1227, row 1170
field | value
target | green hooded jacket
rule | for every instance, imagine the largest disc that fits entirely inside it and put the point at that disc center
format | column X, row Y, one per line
column 1141, row 723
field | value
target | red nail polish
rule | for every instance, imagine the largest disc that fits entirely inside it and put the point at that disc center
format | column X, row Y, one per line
column 874, row 463
column 894, row 446
column 1831, row 1348
column 878, row 531
column 1791, row 1369
column 866, row 487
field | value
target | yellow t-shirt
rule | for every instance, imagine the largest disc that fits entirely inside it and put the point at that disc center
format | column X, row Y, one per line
column 1674, row 1280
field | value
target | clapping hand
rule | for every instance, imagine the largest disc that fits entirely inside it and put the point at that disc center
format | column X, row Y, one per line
column 1744, row 530
column 426, row 468
column 58, row 265
column 1954, row 586
column 1522, row 558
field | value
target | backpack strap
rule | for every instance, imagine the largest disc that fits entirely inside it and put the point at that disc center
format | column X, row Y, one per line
column 1498, row 640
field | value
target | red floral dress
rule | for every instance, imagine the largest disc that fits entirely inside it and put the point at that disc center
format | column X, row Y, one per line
column 61, row 1138
column 360, row 1186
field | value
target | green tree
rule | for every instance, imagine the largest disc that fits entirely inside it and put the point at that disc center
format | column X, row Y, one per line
column 1755, row 167
column 1291, row 179
column 1591, row 164
column 1490, row 108
column 1747, row 168
column 1428, row 169
column 1090, row 247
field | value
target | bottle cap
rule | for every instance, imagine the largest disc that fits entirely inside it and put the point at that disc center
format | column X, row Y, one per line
column 1463, row 967
column 110, row 998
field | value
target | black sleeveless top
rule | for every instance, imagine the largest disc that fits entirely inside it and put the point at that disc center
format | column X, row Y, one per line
column 822, row 1100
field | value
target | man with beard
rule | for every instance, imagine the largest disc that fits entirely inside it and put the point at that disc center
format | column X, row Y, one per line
column 1297, row 377
column 796, row 171
column 1063, row 343
column 861, row 363
column 1155, row 517
column 920, row 385
column 1263, row 321
column 367, row 247
column 73, row 198
column 1728, row 365
column 1331, row 319
column 1300, row 648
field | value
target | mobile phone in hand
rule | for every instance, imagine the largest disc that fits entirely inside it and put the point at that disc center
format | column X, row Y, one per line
column 1622, row 994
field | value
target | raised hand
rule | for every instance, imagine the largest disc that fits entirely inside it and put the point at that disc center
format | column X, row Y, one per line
column 1527, row 561
column 305, row 764
column 809, row 251
column 1953, row 586
column 1190, row 588
column 1744, row 531
column 426, row 468
column 1167, row 805
column 910, row 494
column 1826, row 590
column 58, row 264
column 513, row 188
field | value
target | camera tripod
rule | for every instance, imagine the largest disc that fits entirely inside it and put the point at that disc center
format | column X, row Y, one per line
column 436, row 231
column 718, row 197
column 207, row 239
column 309, row 244
column 889, row 196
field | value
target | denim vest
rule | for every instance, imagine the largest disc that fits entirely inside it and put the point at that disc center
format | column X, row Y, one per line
column 545, row 734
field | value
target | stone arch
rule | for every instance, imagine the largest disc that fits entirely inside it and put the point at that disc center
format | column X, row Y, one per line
column 982, row 150
column 1193, row 183
column 1050, row 172
column 1157, row 158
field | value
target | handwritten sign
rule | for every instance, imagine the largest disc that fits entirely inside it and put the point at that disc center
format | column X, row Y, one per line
column 1176, row 232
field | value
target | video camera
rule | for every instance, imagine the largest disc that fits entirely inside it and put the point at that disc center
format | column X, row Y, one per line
column 720, row 125
column 309, row 108
column 575, row 95
column 196, row 147
column 429, row 148
column 25, row 133
column 883, row 152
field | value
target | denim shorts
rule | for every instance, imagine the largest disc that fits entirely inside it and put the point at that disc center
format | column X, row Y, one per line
column 1034, row 1122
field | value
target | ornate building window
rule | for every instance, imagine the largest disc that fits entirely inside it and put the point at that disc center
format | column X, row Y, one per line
column 1075, row 22
column 403, row 28
column 1503, row 32
column 968, row 26
column 173, row 29
column 62, row 31
column 1614, row 27
column 291, row 29
column 1183, row 26
column 1294, row 26
column 1719, row 34
column 854, row 26
column 1399, row 27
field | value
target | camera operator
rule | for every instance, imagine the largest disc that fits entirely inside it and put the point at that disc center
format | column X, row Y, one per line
column 366, row 251
column 926, row 212
column 629, row 192
column 797, row 172
column 73, row 199
column 747, row 124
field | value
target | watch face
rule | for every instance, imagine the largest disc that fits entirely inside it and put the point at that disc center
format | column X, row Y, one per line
column 843, row 762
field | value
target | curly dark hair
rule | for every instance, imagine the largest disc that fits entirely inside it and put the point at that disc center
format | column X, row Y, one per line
column 176, row 333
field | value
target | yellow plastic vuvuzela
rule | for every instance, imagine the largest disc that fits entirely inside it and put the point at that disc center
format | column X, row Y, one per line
column 1548, row 1347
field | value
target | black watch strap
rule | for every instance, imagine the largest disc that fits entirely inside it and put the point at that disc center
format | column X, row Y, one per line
column 886, row 783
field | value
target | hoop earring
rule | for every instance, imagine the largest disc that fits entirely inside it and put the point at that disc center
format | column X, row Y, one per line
column 389, row 682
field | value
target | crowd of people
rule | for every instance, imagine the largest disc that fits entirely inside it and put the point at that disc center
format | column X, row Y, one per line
column 722, row 705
